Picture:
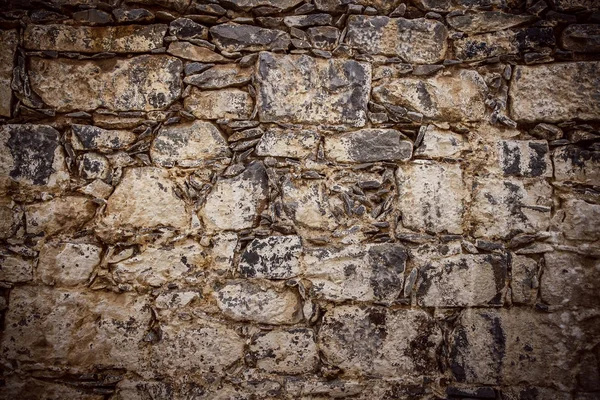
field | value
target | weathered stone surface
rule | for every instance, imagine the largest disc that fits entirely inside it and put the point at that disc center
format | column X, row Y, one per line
column 575, row 5
column 581, row 220
column 23, row 389
column 145, row 198
column 574, row 164
column 441, row 143
column 188, row 145
column 15, row 269
column 307, row 204
column 324, row 388
column 324, row 37
column 303, row 21
column 31, row 156
column 291, row 351
column 449, row 5
column 486, row 21
column 526, row 158
column 217, row 104
column 555, row 92
column 288, row 86
column 368, row 145
column 570, row 280
column 11, row 216
column 214, row 347
column 157, row 266
column 67, row 264
column 495, row 44
column 221, row 76
column 147, row 82
column 235, row 203
column 87, row 39
column 375, row 341
column 59, row 214
column 431, row 196
column 515, row 346
column 582, row 38
column 192, row 52
column 259, row 301
column 94, row 166
column 89, row 137
column 291, row 143
column 133, row 15
column 359, row 272
column 92, row 17
column 419, row 41
column 234, row 37
column 504, row 208
column 185, row 28
column 524, row 279
column 249, row 4
column 463, row 281
column 8, row 46
column 75, row 329
column 450, row 97
column 274, row 257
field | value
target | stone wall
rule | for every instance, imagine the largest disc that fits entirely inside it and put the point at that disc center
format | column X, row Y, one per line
column 300, row 199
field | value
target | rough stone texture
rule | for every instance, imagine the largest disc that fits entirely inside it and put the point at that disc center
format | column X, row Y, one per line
column 502, row 43
column 87, row 39
column 453, row 97
column 503, row 208
column 555, row 92
column 140, row 83
column 235, row 203
column 188, row 145
column 31, row 156
column 291, row 351
column 108, row 328
column 8, row 38
column 570, row 280
column 227, row 103
column 380, row 342
column 289, row 85
column 288, row 143
column 418, row 41
column 365, row 273
column 287, row 199
column 145, row 198
column 259, row 301
column 431, row 197
column 234, row 37
column 275, row 257
column 368, row 145
column 463, row 281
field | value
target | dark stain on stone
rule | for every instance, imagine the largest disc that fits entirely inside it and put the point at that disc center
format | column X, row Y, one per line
column 512, row 160
column 537, row 161
column 32, row 150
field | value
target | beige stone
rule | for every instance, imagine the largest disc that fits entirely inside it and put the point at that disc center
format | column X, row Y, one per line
column 58, row 215
column 420, row 41
column 89, row 137
column 441, row 143
column 273, row 257
column 76, row 330
column 486, row 21
column 581, row 220
column 235, row 203
column 145, row 198
column 570, row 280
column 88, row 39
column 188, row 145
column 289, row 352
column 67, row 264
column 259, row 301
column 353, row 339
column 524, row 281
column 14, row 268
column 8, row 46
column 147, row 82
column 192, row 52
column 291, row 143
column 431, row 196
column 307, row 204
column 574, row 164
column 217, row 104
column 449, row 97
column 555, row 92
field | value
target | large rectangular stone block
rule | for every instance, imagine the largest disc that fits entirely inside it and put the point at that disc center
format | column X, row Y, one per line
column 303, row 89
column 145, row 83
column 95, row 39
column 555, row 92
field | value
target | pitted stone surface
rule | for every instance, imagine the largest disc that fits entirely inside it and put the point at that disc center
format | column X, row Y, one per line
column 275, row 257
column 570, row 280
column 67, row 264
column 140, row 83
column 555, row 92
column 87, row 39
column 420, row 41
column 227, row 103
column 235, row 37
column 525, row 158
column 291, row 351
column 289, row 85
column 574, row 164
column 288, row 143
column 368, row 145
column 8, row 46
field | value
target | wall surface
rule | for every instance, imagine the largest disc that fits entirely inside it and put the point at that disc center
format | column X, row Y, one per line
column 300, row 199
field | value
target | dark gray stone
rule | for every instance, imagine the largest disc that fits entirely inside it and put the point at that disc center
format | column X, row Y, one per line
column 234, row 37
column 324, row 37
column 368, row 145
column 582, row 38
column 274, row 257
column 185, row 28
